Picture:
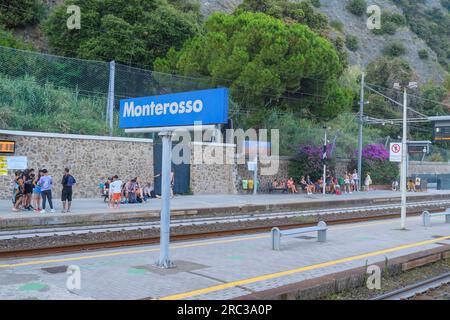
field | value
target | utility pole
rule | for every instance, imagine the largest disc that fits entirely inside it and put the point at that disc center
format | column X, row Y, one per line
column 403, row 173
column 360, row 134
column 110, row 104
column 324, row 157
column 164, row 259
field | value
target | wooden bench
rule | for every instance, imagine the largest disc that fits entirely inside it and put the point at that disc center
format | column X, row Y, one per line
column 426, row 217
column 272, row 189
column 321, row 229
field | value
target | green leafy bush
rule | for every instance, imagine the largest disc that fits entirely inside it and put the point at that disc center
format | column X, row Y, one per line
column 352, row 42
column 338, row 25
column 20, row 13
column 423, row 54
column 357, row 7
column 394, row 49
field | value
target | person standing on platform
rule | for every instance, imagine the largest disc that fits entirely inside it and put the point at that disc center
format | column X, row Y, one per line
column 66, row 195
column 46, row 184
column 115, row 192
column 355, row 178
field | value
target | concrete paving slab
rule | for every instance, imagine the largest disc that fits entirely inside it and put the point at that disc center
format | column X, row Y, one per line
column 222, row 268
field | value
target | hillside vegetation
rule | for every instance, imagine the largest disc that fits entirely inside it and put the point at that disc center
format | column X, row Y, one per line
column 290, row 65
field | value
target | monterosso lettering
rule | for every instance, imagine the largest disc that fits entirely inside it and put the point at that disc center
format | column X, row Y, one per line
column 169, row 108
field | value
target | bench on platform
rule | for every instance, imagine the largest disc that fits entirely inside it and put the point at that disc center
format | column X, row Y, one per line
column 321, row 229
column 271, row 188
column 426, row 217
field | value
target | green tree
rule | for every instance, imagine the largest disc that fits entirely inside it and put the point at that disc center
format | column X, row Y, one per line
column 19, row 13
column 265, row 62
column 385, row 72
column 300, row 12
column 130, row 31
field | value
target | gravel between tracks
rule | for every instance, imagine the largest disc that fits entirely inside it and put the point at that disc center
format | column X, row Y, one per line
column 392, row 282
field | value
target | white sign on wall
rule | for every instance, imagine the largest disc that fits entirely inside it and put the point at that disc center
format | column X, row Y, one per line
column 17, row 163
column 395, row 152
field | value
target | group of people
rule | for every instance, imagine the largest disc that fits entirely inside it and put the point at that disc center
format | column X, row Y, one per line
column 347, row 183
column 132, row 191
column 31, row 191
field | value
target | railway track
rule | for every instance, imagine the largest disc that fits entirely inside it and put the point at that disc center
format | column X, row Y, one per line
column 413, row 209
column 419, row 288
column 42, row 232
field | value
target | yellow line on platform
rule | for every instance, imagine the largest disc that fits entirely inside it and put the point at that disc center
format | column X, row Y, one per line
column 119, row 253
column 181, row 246
column 297, row 270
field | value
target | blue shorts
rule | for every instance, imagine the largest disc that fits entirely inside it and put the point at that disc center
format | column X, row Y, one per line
column 37, row 190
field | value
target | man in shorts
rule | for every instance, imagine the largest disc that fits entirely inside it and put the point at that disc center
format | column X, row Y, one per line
column 66, row 195
column 115, row 192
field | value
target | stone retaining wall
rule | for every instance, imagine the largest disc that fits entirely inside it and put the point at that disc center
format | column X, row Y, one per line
column 90, row 158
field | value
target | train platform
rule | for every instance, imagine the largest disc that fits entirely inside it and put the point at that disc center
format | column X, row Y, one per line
column 86, row 211
column 221, row 268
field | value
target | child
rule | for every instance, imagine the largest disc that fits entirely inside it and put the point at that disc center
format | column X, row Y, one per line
column 115, row 192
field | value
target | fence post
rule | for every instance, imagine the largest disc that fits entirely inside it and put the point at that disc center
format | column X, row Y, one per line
column 110, row 104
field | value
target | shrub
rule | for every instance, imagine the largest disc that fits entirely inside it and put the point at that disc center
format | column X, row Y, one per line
column 19, row 13
column 316, row 3
column 338, row 25
column 308, row 161
column 423, row 54
column 376, row 162
column 394, row 49
column 352, row 43
column 357, row 7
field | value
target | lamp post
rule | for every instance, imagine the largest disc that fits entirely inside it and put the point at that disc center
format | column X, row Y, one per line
column 324, row 157
column 403, row 174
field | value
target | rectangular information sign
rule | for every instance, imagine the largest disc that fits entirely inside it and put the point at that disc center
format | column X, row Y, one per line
column 17, row 163
column 178, row 109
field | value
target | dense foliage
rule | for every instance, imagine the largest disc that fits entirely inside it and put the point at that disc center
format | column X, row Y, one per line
column 20, row 13
column 265, row 63
column 130, row 31
column 7, row 39
column 300, row 12
column 430, row 24
column 26, row 105
column 390, row 23
column 376, row 163
column 357, row 7
column 394, row 49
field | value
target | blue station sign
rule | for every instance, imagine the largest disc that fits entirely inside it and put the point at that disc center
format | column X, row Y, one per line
column 178, row 109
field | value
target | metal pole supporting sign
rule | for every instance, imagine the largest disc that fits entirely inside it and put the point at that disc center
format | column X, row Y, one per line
column 164, row 260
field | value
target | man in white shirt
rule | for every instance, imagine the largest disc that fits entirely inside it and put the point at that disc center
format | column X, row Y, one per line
column 355, row 178
column 115, row 192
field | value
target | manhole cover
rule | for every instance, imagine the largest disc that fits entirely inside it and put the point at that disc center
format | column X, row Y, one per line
column 54, row 270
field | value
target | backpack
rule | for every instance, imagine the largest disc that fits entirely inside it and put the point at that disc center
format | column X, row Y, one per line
column 71, row 181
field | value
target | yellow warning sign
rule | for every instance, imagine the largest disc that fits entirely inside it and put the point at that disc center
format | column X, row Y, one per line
column 3, row 166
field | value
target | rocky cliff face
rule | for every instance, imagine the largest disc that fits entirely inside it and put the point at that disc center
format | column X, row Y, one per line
column 370, row 45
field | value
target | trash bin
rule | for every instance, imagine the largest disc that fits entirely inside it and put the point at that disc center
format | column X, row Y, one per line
column 245, row 184
column 250, row 184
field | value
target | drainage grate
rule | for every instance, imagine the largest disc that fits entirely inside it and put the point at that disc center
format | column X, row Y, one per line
column 54, row 270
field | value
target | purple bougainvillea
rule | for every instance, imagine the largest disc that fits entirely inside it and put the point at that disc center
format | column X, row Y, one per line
column 375, row 152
